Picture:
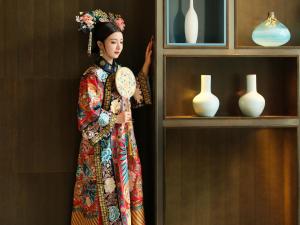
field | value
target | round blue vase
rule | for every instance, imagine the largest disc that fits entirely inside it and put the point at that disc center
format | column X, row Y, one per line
column 271, row 33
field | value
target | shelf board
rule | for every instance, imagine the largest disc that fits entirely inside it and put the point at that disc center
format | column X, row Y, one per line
column 263, row 121
column 189, row 45
column 186, row 52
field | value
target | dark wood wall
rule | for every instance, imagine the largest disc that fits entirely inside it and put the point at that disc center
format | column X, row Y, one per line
column 42, row 57
column 221, row 180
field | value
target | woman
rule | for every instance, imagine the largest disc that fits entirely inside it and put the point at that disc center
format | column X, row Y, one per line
column 108, row 188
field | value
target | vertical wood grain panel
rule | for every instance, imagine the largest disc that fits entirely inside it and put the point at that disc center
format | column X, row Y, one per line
column 173, row 177
column 290, row 168
column 72, row 65
column 217, row 179
column 243, row 176
column 8, row 190
column 48, row 136
column 43, row 198
column 25, row 31
column 246, row 196
column 262, row 191
column 56, row 38
column 8, row 136
column 188, row 174
column 203, row 173
column 9, row 37
column 41, row 39
column 276, row 178
column 3, row 40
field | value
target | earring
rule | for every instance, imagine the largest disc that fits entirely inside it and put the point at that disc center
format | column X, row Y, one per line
column 101, row 52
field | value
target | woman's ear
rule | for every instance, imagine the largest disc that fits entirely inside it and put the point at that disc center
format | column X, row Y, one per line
column 100, row 45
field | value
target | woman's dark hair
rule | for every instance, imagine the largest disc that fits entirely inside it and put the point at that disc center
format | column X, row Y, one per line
column 100, row 32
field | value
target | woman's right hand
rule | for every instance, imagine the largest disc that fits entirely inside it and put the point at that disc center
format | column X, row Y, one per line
column 124, row 117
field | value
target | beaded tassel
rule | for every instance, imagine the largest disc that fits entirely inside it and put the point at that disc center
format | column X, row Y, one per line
column 90, row 43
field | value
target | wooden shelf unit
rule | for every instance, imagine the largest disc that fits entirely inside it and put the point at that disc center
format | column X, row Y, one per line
column 229, row 169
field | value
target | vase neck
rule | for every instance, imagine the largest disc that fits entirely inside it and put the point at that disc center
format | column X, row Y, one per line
column 271, row 15
column 205, row 83
column 251, row 82
column 191, row 4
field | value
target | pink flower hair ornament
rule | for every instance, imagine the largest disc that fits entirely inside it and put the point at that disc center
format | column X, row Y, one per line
column 87, row 21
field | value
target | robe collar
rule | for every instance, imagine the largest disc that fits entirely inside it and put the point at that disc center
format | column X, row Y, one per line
column 107, row 67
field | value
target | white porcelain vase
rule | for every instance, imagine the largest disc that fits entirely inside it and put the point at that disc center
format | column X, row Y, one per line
column 252, row 103
column 206, row 103
column 191, row 24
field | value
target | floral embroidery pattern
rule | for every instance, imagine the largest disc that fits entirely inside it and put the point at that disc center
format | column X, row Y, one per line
column 144, row 86
column 89, row 194
column 115, row 106
column 138, row 94
column 106, row 155
column 103, row 119
column 102, row 75
column 109, row 185
column 114, row 213
column 132, row 178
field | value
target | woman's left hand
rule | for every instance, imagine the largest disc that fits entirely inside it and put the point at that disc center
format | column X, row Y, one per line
column 148, row 54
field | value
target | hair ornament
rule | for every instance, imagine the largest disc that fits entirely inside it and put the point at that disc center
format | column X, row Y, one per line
column 87, row 21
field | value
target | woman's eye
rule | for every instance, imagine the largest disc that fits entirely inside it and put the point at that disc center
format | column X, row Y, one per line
column 113, row 42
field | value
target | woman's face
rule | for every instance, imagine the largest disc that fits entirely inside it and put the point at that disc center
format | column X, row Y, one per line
column 113, row 45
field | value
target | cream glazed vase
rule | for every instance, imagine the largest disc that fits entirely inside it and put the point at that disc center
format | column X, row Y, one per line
column 206, row 103
column 252, row 103
column 191, row 25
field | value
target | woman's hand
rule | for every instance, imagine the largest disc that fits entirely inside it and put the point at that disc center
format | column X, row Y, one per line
column 124, row 117
column 148, row 54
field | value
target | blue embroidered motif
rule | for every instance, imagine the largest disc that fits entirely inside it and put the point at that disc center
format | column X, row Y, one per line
column 89, row 190
column 86, row 169
column 114, row 213
column 102, row 75
column 103, row 119
column 106, row 154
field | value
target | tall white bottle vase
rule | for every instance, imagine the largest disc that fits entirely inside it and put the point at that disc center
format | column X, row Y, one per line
column 252, row 103
column 191, row 24
column 206, row 103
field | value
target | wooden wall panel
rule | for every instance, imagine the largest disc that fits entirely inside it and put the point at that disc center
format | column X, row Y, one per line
column 43, row 198
column 2, row 37
column 8, row 190
column 42, row 56
column 9, row 33
column 7, row 125
column 212, row 178
column 290, row 169
column 47, row 131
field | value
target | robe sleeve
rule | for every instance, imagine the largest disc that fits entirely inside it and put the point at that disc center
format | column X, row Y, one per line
column 94, row 122
column 142, row 95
